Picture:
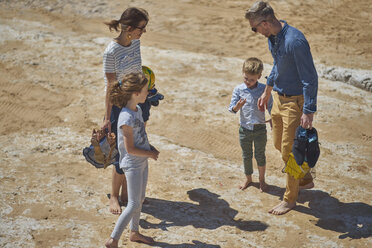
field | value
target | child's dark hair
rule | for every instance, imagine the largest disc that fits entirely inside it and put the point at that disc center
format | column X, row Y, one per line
column 121, row 92
column 130, row 17
column 253, row 66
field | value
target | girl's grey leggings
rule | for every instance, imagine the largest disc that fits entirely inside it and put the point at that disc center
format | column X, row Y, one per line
column 136, row 184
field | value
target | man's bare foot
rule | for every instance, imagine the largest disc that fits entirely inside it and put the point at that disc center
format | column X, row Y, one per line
column 137, row 237
column 114, row 205
column 263, row 186
column 111, row 243
column 307, row 186
column 282, row 208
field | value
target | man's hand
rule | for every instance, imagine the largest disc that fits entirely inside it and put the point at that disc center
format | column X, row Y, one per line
column 264, row 98
column 262, row 102
column 307, row 121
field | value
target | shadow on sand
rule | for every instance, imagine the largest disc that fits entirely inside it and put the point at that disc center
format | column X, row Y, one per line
column 353, row 220
column 210, row 212
column 195, row 244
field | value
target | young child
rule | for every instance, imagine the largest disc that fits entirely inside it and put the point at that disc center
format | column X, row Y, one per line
column 134, row 150
column 252, row 121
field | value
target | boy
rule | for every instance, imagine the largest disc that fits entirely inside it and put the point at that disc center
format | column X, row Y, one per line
column 252, row 121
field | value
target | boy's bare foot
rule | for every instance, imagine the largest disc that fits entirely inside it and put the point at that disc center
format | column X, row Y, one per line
column 111, row 243
column 282, row 208
column 307, row 186
column 137, row 237
column 263, row 186
column 114, row 205
column 245, row 184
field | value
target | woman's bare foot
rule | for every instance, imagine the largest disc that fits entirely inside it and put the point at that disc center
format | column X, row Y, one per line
column 114, row 205
column 307, row 186
column 112, row 243
column 137, row 237
column 263, row 186
column 247, row 182
column 282, row 208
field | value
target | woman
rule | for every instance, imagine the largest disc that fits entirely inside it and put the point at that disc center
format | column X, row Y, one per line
column 122, row 56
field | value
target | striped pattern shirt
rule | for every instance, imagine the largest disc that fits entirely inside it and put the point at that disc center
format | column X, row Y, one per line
column 122, row 60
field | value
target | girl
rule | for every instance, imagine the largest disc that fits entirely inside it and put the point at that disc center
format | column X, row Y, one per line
column 134, row 150
column 122, row 56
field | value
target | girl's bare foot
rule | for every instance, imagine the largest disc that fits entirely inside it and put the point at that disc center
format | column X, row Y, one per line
column 137, row 237
column 114, row 205
column 282, row 208
column 112, row 243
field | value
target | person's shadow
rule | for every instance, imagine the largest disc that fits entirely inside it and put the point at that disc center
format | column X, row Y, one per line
column 210, row 212
column 195, row 244
column 352, row 219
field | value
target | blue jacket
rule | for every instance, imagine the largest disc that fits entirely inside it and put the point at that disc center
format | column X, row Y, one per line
column 293, row 72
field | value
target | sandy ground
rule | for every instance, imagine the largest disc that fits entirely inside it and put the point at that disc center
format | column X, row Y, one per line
column 52, row 96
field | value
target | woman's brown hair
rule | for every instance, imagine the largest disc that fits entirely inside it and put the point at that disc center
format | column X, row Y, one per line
column 130, row 17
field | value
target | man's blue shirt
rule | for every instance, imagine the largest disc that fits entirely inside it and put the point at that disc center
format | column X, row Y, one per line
column 293, row 72
column 249, row 113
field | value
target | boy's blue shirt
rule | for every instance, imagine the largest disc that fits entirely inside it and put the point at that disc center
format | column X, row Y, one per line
column 249, row 113
column 293, row 71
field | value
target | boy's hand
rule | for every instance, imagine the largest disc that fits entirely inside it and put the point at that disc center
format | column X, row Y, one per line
column 240, row 104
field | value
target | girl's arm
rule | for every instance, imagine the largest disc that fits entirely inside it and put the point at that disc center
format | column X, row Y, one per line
column 111, row 79
column 131, row 149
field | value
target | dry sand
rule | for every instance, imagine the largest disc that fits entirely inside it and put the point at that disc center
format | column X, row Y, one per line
column 52, row 96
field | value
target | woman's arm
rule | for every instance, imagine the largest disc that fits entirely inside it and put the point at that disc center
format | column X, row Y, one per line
column 111, row 79
column 131, row 149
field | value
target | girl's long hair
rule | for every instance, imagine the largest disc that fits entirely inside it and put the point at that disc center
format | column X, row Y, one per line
column 121, row 92
column 130, row 17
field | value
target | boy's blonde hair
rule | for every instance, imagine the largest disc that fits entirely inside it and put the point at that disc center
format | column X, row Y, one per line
column 121, row 92
column 253, row 66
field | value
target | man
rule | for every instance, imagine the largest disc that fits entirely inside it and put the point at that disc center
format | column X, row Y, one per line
column 295, row 82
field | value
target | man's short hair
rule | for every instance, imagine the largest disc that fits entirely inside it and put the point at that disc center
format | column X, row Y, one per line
column 260, row 11
column 253, row 66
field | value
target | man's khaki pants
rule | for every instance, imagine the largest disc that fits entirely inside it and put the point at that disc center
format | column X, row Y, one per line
column 286, row 116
